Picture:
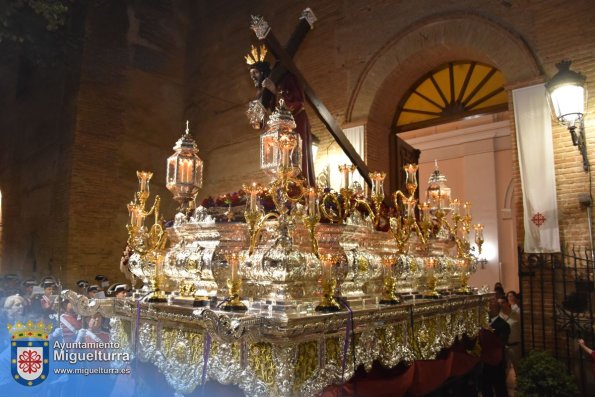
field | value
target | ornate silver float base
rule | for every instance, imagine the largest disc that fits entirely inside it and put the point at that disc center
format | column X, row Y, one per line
column 294, row 355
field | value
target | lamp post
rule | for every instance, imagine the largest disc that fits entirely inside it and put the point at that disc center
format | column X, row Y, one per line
column 567, row 97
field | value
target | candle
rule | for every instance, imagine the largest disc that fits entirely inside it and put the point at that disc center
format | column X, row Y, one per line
column 312, row 207
column 143, row 178
column 446, row 197
column 327, row 262
column 137, row 217
column 189, row 171
column 285, row 156
column 411, row 181
column 345, row 170
column 377, row 183
column 411, row 206
column 388, row 262
column 467, row 207
column 425, row 208
column 478, row 233
column 186, row 171
column 253, row 192
column 234, row 263
column 430, row 263
column 455, row 205
column 182, row 171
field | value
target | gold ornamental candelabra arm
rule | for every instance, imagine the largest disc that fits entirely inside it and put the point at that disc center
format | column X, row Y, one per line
column 425, row 224
column 367, row 207
column 400, row 229
column 399, row 194
column 333, row 199
column 283, row 184
column 347, row 195
column 255, row 228
column 377, row 200
column 154, row 209
column 310, row 221
column 421, row 234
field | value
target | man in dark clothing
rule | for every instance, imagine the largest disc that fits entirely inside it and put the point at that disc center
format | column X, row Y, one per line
column 494, row 375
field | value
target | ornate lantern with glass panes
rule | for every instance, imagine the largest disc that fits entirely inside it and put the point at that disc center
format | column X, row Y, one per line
column 184, row 170
column 280, row 145
column 438, row 193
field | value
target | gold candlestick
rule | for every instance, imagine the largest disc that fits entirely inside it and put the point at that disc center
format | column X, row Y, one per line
column 478, row 236
column 400, row 228
column 377, row 192
column 253, row 215
column 411, row 180
column 327, row 301
column 234, row 283
column 430, row 291
column 311, row 219
column 463, row 277
column 150, row 245
column 158, row 295
column 346, row 170
column 388, row 294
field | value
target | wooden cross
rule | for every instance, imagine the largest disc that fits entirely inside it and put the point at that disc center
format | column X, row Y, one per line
column 305, row 24
column 263, row 32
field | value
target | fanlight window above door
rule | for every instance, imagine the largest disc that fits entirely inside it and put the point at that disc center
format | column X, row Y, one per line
column 453, row 91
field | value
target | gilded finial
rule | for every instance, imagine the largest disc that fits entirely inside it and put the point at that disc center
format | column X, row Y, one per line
column 187, row 127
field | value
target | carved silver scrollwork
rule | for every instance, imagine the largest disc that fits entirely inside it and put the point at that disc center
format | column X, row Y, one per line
column 223, row 327
column 309, row 16
column 260, row 27
column 256, row 114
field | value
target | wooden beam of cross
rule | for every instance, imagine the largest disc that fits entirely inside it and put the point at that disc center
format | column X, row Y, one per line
column 263, row 32
column 305, row 24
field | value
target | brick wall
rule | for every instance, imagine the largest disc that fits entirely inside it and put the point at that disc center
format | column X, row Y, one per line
column 130, row 113
column 149, row 66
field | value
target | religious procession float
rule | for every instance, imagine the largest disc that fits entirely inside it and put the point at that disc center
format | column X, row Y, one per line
column 299, row 293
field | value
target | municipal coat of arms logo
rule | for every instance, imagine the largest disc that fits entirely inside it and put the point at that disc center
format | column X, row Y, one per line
column 30, row 355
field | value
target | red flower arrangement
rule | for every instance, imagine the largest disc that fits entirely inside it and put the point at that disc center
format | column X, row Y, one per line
column 225, row 200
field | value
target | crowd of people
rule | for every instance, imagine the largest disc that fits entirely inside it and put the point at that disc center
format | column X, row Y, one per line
column 29, row 299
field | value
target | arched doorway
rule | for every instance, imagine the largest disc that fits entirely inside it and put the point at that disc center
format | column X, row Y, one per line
column 404, row 60
column 451, row 92
column 456, row 115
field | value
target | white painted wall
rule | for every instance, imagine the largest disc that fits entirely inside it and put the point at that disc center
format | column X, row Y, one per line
column 476, row 157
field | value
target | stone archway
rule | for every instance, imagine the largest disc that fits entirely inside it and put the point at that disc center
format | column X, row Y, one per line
column 421, row 47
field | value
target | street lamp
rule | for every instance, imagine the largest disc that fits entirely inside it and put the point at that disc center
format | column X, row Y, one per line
column 567, row 96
